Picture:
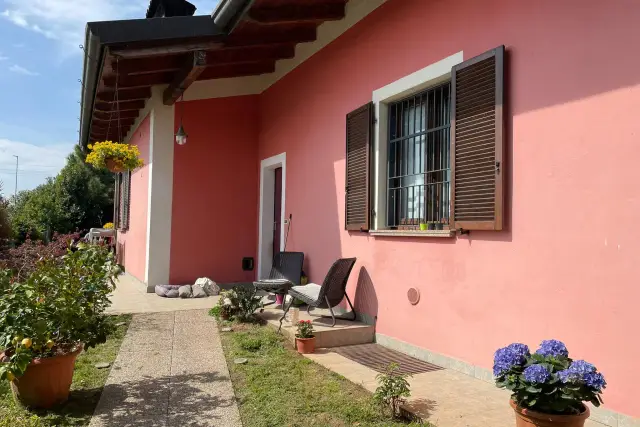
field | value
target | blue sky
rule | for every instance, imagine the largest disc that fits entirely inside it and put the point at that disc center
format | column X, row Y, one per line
column 40, row 64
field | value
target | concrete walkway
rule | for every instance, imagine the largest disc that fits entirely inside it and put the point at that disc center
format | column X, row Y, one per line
column 170, row 371
column 131, row 296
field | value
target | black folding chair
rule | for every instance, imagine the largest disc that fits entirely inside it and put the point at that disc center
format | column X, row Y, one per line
column 328, row 295
column 286, row 272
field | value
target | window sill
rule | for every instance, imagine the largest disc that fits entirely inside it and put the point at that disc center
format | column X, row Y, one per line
column 412, row 233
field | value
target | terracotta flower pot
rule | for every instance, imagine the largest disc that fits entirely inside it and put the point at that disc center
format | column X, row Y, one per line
column 113, row 166
column 306, row 345
column 46, row 382
column 528, row 418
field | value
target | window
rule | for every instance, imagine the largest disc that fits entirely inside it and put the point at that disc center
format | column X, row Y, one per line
column 419, row 158
column 417, row 155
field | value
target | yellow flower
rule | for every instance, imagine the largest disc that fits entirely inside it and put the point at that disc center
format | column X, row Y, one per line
column 108, row 225
column 123, row 155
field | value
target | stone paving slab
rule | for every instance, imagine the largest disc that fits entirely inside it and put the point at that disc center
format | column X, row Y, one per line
column 445, row 398
column 162, row 379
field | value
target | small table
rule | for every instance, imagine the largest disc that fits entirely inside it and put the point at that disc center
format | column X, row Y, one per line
column 274, row 286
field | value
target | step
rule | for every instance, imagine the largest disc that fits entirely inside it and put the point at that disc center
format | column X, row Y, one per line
column 342, row 334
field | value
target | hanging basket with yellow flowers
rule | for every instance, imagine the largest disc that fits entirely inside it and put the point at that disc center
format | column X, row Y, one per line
column 114, row 156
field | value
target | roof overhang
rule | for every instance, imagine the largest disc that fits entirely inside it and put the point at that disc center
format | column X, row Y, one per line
column 124, row 59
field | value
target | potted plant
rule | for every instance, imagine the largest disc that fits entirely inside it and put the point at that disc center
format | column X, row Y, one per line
column 424, row 226
column 431, row 225
column 49, row 317
column 445, row 223
column 305, row 340
column 547, row 388
column 114, row 156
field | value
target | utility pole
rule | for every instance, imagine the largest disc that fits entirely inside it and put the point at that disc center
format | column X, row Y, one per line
column 15, row 194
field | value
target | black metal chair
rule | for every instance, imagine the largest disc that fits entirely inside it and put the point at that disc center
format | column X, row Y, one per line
column 328, row 295
column 286, row 272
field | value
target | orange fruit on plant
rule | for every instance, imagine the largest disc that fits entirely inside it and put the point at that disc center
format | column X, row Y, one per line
column 50, row 344
column 26, row 343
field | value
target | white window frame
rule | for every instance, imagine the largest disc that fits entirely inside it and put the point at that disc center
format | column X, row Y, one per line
column 438, row 72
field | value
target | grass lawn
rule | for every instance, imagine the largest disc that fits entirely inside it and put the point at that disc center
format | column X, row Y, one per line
column 278, row 387
column 85, row 390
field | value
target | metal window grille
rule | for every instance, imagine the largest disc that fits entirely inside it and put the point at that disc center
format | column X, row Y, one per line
column 419, row 159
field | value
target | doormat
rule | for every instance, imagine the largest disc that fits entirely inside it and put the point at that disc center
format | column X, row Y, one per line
column 377, row 357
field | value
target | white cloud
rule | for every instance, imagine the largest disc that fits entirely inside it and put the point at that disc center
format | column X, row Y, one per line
column 3, row 58
column 65, row 20
column 35, row 163
column 21, row 70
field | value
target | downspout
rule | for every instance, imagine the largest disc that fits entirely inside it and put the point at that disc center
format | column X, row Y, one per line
column 229, row 12
column 93, row 58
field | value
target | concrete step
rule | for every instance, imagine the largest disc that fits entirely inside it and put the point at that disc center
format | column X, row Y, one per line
column 342, row 334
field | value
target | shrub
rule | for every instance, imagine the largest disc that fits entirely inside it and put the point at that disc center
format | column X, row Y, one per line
column 393, row 389
column 56, row 308
column 547, row 381
column 240, row 303
column 24, row 259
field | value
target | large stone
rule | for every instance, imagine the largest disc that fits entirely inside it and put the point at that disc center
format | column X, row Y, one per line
column 184, row 291
column 172, row 293
column 198, row 291
column 209, row 286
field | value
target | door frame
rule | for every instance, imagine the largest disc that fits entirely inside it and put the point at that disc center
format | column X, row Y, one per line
column 266, row 219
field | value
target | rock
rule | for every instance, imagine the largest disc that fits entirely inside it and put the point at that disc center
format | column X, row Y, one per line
column 198, row 291
column 240, row 361
column 102, row 365
column 120, row 324
column 226, row 329
column 184, row 291
column 209, row 286
column 172, row 293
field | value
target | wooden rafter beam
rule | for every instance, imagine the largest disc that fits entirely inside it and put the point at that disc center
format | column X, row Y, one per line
column 108, row 107
column 238, row 70
column 303, row 34
column 297, row 13
column 140, row 81
column 168, row 49
column 189, row 73
column 113, row 116
column 124, row 95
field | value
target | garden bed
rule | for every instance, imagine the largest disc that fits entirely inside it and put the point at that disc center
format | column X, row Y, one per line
column 279, row 387
column 86, row 389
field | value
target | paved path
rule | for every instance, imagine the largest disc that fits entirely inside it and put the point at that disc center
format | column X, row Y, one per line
column 170, row 371
column 131, row 296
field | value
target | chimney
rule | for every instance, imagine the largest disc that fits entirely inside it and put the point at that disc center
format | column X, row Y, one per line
column 169, row 8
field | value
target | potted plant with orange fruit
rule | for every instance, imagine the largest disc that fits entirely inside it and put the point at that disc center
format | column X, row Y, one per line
column 47, row 318
column 114, row 156
column 305, row 340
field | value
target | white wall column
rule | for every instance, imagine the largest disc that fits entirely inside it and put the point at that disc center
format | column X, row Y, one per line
column 160, row 197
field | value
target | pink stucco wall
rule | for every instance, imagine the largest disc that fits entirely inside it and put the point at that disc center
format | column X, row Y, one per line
column 567, row 265
column 215, row 192
column 133, row 242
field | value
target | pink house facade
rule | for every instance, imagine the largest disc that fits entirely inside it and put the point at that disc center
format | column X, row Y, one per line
column 564, row 262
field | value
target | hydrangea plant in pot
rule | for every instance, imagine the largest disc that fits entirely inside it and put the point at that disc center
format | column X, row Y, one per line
column 305, row 340
column 548, row 388
column 49, row 316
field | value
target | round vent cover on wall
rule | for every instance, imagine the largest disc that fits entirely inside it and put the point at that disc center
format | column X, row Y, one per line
column 413, row 295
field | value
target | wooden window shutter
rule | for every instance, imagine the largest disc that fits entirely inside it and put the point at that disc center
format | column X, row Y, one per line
column 477, row 142
column 116, row 202
column 358, row 174
column 126, row 199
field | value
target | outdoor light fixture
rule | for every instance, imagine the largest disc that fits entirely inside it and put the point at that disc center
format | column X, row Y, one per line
column 181, row 135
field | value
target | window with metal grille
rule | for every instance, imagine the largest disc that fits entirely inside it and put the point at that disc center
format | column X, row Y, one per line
column 419, row 159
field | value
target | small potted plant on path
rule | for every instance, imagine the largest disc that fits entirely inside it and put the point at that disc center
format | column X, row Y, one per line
column 114, row 156
column 305, row 340
column 49, row 316
column 548, row 388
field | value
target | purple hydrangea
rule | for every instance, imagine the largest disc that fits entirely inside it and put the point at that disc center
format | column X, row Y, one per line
column 553, row 348
column 508, row 357
column 595, row 380
column 537, row 374
column 581, row 372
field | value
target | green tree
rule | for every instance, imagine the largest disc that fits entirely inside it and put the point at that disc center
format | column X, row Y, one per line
column 78, row 198
column 5, row 229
